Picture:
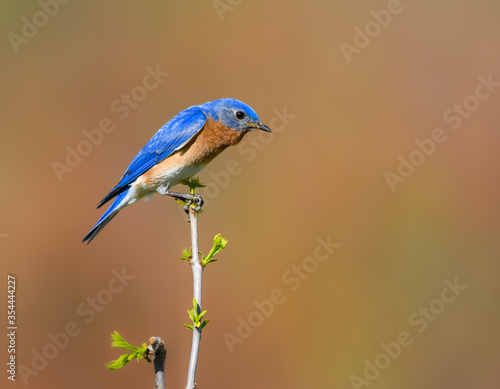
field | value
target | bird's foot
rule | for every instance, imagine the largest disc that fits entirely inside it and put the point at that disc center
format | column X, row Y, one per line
column 187, row 199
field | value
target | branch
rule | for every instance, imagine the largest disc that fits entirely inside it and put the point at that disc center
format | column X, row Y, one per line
column 157, row 348
column 192, row 204
column 197, row 273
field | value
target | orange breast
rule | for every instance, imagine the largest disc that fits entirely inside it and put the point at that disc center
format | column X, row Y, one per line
column 213, row 138
column 209, row 142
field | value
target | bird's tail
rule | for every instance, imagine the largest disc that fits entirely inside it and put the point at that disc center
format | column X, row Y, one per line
column 110, row 213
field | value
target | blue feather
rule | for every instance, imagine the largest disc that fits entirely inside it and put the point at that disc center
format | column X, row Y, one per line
column 171, row 137
column 110, row 213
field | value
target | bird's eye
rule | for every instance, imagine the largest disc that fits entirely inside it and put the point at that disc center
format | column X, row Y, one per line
column 239, row 115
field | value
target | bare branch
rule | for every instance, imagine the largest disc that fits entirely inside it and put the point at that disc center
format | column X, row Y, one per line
column 197, row 273
column 156, row 347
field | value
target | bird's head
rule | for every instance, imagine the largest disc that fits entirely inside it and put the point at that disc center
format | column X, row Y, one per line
column 234, row 114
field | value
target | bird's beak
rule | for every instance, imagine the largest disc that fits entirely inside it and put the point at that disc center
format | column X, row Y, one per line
column 259, row 126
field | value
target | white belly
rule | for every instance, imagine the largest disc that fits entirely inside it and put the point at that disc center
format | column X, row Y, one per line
column 162, row 180
column 173, row 176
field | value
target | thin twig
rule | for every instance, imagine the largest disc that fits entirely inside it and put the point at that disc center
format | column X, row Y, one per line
column 197, row 273
column 157, row 348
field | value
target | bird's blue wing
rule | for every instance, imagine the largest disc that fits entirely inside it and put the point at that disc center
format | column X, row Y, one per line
column 170, row 138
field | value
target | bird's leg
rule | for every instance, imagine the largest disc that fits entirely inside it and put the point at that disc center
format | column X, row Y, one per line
column 189, row 199
column 197, row 200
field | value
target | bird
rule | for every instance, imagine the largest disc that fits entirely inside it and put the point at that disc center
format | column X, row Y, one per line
column 179, row 150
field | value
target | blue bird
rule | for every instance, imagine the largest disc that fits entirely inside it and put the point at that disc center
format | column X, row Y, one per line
column 178, row 151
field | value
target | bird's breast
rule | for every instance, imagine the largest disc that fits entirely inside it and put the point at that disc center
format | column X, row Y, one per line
column 184, row 163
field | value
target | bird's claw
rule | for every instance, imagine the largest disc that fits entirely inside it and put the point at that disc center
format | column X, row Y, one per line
column 195, row 200
column 188, row 199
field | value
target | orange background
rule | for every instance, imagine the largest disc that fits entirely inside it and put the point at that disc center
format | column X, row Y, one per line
column 319, row 175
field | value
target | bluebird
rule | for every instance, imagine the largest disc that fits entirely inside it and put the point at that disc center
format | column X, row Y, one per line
column 178, row 151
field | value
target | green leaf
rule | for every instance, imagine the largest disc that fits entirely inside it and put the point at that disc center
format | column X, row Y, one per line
column 118, row 363
column 181, row 202
column 137, row 352
column 118, row 341
column 195, row 317
column 205, row 322
column 193, row 183
column 218, row 245
column 208, row 260
column 186, row 255
column 188, row 326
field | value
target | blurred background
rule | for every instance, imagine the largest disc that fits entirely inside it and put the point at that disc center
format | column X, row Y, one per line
column 346, row 233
